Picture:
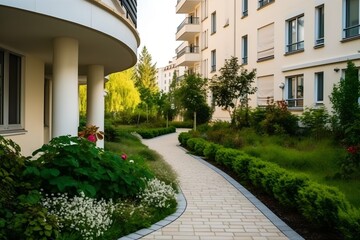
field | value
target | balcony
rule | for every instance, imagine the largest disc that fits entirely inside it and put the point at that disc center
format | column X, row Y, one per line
column 188, row 56
column 187, row 30
column 186, row 6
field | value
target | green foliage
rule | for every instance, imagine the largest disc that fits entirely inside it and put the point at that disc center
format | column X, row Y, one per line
column 278, row 120
column 197, row 145
column 316, row 121
column 155, row 132
column 226, row 156
column 321, row 204
column 232, row 86
column 183, row 138
column 211, row 150
column 73, row 165
column 345, row 95
column 21, row 216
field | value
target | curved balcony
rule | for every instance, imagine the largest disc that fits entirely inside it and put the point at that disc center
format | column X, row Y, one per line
column 105, row 34
column 188, row 29
column 186, row 6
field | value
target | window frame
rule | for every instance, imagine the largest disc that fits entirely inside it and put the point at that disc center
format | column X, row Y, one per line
column 299, row 44
column 320, row 25
column 213, row 60
column 298, row 101
column 346, row 24
column 245, row 8
column 244, row 50
column 263, row 3
column 5, row 115
column 319, row 76
column 213, row 23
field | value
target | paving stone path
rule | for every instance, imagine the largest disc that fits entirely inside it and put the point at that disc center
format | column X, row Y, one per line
column 212, row 205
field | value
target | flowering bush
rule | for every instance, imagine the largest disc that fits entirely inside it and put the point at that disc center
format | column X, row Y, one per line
column 91, row 133
column 89, row 217
column 157, row 194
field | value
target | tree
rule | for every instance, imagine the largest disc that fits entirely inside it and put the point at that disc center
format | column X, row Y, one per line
column 192, row 96
column 121, row 92
column 82, row 100
column 233, row 87
column 345, row 97
column 145, row 81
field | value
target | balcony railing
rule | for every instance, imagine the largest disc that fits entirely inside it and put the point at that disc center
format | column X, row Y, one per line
column 188, row 20
column 188, row 49
column 293, row 47
column 295, row 102
column 264, row 2
column 131, row 9
column 352, row 31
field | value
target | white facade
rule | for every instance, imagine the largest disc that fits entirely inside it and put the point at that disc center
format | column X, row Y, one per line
column 297, row 47
column 165, row 75
column 45, row 48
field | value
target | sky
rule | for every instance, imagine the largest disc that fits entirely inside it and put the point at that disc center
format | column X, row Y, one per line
column 157, row 23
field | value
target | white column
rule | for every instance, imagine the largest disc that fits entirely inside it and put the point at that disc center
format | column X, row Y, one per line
column 65, row 108
column 95, row 110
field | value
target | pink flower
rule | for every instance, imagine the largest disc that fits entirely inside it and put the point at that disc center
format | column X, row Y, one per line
column 124, row 156
column 92, row 138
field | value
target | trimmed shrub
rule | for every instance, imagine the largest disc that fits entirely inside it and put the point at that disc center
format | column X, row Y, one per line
column 322, row 204
column 155, row 132
column 226, row 156
column 183, row 138
column 211, row 150
column 191, row 143
column 241, row 163
column 200, row 145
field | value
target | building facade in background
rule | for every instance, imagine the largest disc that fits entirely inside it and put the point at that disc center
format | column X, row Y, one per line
column 299, row 48
column 46, row 49
column 165, row 75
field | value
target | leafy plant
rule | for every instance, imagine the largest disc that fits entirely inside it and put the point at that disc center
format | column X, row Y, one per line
column 74, row 165
column 316, row 121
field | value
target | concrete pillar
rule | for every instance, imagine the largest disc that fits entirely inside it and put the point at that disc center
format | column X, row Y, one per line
column 65, row 108
column 95, row 110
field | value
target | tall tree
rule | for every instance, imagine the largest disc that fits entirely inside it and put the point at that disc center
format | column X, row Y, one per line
column 82, row 100
column 145, row 80
column 122, row 94
column 233, row 87
column 192, row 95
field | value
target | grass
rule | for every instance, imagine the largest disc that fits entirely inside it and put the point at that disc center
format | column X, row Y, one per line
column 318, row 158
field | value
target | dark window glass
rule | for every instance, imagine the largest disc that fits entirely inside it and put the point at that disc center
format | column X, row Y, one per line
column 14, row 89
column 1, row 88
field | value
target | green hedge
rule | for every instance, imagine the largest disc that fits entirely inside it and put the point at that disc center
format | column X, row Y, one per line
column 322, row 205
column 155, row 132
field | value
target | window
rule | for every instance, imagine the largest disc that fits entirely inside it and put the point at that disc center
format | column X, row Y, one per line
column 295, row 34
column 351, row 26
column 204, row 9
column 264, row 2
column 10, row 91
column 265, row 48
column 319, row 27
column 244, row 47
column 213, row 60
column 213, row 22
column 295, row 91
column 244, row 8
column 319, row 87
column 204, row 39
column 205, row 68
column 265, row 92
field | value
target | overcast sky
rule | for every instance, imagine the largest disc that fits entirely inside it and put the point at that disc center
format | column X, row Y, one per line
column 157, row 23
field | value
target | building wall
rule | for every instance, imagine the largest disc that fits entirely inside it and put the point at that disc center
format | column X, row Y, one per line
column 33, row 137
column 232, row 26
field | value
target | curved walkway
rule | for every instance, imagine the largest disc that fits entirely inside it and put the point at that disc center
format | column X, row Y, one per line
column 214, row 206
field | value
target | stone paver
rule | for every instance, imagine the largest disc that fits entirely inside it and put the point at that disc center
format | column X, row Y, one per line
column 217, row 207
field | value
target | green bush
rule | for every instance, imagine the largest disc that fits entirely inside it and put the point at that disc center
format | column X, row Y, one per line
column 241, row 163
column 21, row 215
column 184, row 124
column 211, row 150
column 183, row 138
column 200, row 147
column 72, row 164
column 155, row 132
column 322, row 204
column 350, row 223
column 226, row 156
column 315, row 121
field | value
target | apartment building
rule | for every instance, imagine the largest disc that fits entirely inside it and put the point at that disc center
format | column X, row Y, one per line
column 299, row 48
column 46, row 49
column 165, row 75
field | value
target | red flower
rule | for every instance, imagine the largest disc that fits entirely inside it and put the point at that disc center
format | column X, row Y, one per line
column 124, row 156
column 92, row 138
column 352, row 149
